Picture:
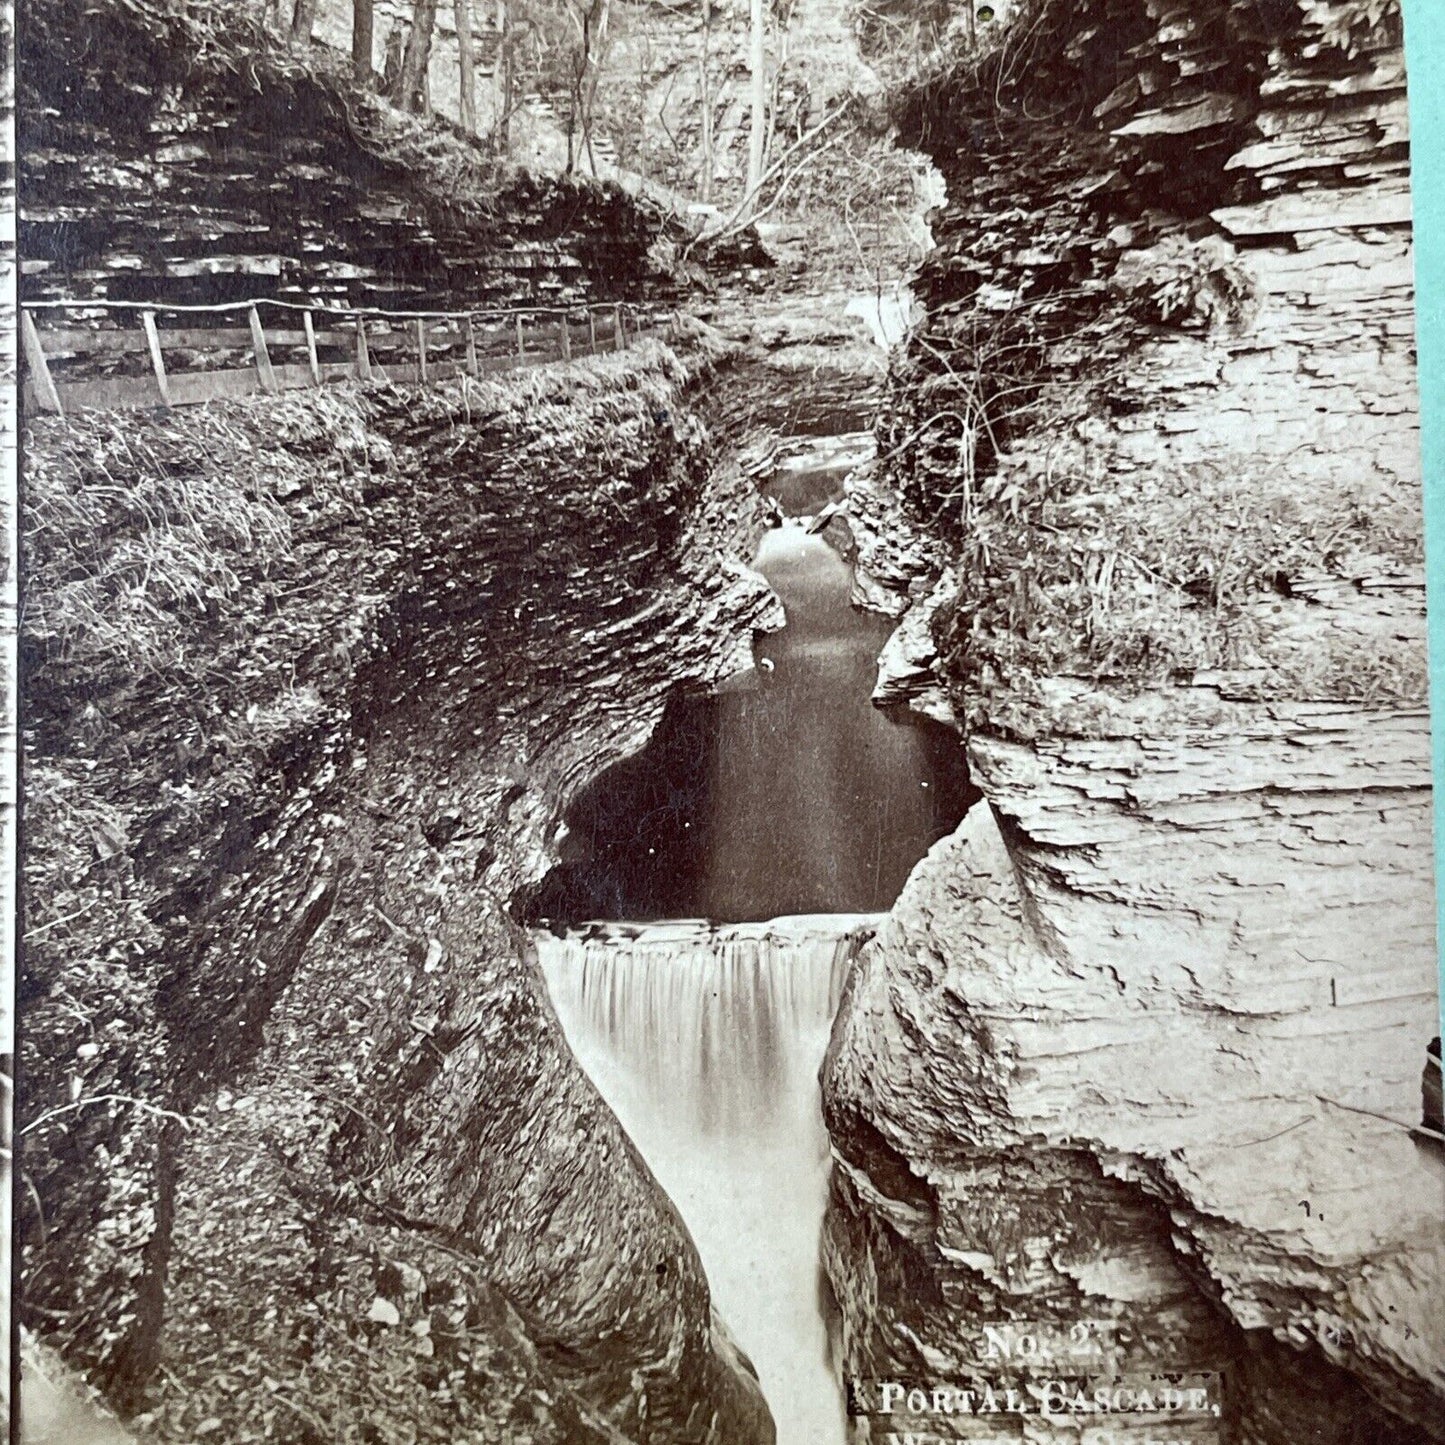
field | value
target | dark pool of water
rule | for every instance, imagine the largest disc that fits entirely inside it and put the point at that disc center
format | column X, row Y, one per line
column 791, row 793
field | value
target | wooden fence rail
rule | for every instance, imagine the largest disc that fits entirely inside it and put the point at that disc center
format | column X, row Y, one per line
column 146, row 364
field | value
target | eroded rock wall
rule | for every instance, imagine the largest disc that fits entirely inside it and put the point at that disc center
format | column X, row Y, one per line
column 185, row 156
column 308, row 1156
column 1140, row 1045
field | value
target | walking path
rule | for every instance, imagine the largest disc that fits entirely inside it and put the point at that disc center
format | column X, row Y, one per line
column 127, row 358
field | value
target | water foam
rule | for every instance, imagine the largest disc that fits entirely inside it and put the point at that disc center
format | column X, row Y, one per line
column 706, row 1040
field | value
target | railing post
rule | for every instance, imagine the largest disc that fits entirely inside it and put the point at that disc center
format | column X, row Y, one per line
column 153, row 345
column 566, row 338
column 363, row 354
column 311, row 355
column 592, row 328
column 421, row 350
column 521, row 342
column 619, row 339
column 43, row 382
column 263, row 356
column 472, row 367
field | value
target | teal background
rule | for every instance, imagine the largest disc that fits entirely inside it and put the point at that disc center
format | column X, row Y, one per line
column 1425, row 63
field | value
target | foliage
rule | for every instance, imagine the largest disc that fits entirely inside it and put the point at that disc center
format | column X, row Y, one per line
column 1190, row 284
column 207, row 592
column 143, row 559
column 1071, row 240
column 931, row 54
column 1075, row 561
column 1354, row 26
column 966, row 384
column 1132, row 577
column 130, row 543
column 159, row 41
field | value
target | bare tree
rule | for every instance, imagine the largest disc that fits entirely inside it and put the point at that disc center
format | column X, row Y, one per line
column 363, row 34
column 582, row 60
column 758, row 134
column 411, row 86
column 530, row 45
column 709, row 164
column 467, row 62
column 303, row 18
column 503, row 80
column 594, row 46
column 801, row 157
column 391, row 64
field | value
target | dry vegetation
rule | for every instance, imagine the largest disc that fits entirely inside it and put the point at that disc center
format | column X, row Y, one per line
column 206, row 591
column 1063, row 252
column 1133, row 578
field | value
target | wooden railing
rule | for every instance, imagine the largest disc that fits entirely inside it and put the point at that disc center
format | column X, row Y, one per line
column 135, row 361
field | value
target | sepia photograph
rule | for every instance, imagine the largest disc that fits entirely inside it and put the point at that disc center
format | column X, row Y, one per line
column 721, row 725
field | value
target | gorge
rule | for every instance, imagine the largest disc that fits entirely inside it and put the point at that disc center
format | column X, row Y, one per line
column 614, row 904
column 706, row 1039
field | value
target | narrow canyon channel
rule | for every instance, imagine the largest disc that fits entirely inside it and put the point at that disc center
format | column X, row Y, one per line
column 736, row 753
column 697, row 935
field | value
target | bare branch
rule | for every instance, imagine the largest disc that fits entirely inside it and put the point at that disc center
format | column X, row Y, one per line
column 730, row 227
column 55, row 1113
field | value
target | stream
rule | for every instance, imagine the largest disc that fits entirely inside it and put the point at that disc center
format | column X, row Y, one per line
column 696, row 936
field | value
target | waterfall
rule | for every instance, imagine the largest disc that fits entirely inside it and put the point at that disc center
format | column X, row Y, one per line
column 786, row 797
column 706, row 1040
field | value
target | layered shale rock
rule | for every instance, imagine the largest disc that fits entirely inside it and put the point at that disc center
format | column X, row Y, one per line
column 1139, row 1048
column 309, row 1158
column 184, row 156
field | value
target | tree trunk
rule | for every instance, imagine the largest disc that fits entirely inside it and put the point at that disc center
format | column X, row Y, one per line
column 595, row 39
column 363, row 36
column 411, row 84
column 467, row 64
column 709, row 164
column 302, row 21
column 391, row 65
column 757, row 138
column 504, row 80
column 577, row 78
column 574, row 108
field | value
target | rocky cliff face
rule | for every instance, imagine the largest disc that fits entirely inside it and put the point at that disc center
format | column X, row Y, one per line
column 1131, row 1065
column 184, row 156
column 307, row 1157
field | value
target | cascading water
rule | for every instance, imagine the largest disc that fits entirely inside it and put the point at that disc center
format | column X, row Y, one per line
column 788, row 812
column 706, row 1041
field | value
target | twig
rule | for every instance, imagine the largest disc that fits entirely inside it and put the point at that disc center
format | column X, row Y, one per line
column 39, row 1208
column 171, row 1375
column 395, row 928
column 50, row 1114
column 314, row 1421
column 1278, row 1134
column 31, row 933
column 790, row 178
column 662, row 116
column 923, row 427
column 732, row 225
column 388, row 1157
